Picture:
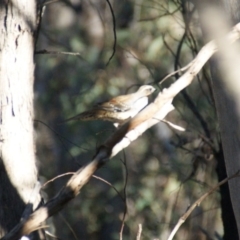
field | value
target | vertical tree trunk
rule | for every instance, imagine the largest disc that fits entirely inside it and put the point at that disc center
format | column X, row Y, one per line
column 18, row 172
column 226, row 89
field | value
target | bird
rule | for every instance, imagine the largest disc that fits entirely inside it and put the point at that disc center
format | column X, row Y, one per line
column 118, row 109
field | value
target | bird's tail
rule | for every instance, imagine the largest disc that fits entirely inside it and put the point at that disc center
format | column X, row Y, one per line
column 95, row 114
column 84, row 116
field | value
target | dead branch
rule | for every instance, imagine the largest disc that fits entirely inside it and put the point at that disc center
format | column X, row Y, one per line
column 197, row 203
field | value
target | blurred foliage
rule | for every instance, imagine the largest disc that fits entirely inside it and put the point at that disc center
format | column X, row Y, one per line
column 166, row 170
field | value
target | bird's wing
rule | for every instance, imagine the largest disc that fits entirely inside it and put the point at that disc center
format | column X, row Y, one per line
column 111, row 111
column 119, row 104
column 113, row 106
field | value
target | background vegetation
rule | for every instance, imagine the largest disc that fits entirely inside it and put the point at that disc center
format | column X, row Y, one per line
column 162, row 172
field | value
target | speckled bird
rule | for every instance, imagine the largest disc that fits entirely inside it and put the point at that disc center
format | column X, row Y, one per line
column 118, row 109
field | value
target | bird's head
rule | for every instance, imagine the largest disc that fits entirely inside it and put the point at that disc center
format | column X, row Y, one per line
column 146, row 89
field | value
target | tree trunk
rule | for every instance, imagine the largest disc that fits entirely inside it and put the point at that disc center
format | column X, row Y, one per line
column 18, row 172
column 225, row 81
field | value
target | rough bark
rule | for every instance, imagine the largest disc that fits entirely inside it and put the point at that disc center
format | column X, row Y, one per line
column 18, row 173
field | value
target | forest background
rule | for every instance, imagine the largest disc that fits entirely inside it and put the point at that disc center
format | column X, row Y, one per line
column 90, row 51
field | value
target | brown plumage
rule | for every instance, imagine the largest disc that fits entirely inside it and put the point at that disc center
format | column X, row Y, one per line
column 118, row 109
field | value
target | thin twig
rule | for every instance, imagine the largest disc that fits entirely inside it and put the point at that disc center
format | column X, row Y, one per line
column 197, row 203
column 59, row 176
column 61, row 137
column 94, row 176
column 69, row 226
column 124, row 195
column 114, row 32
column 51, row 235
column 139, row 231
column 177, row 71
column 108, row 183
column 44, row 51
